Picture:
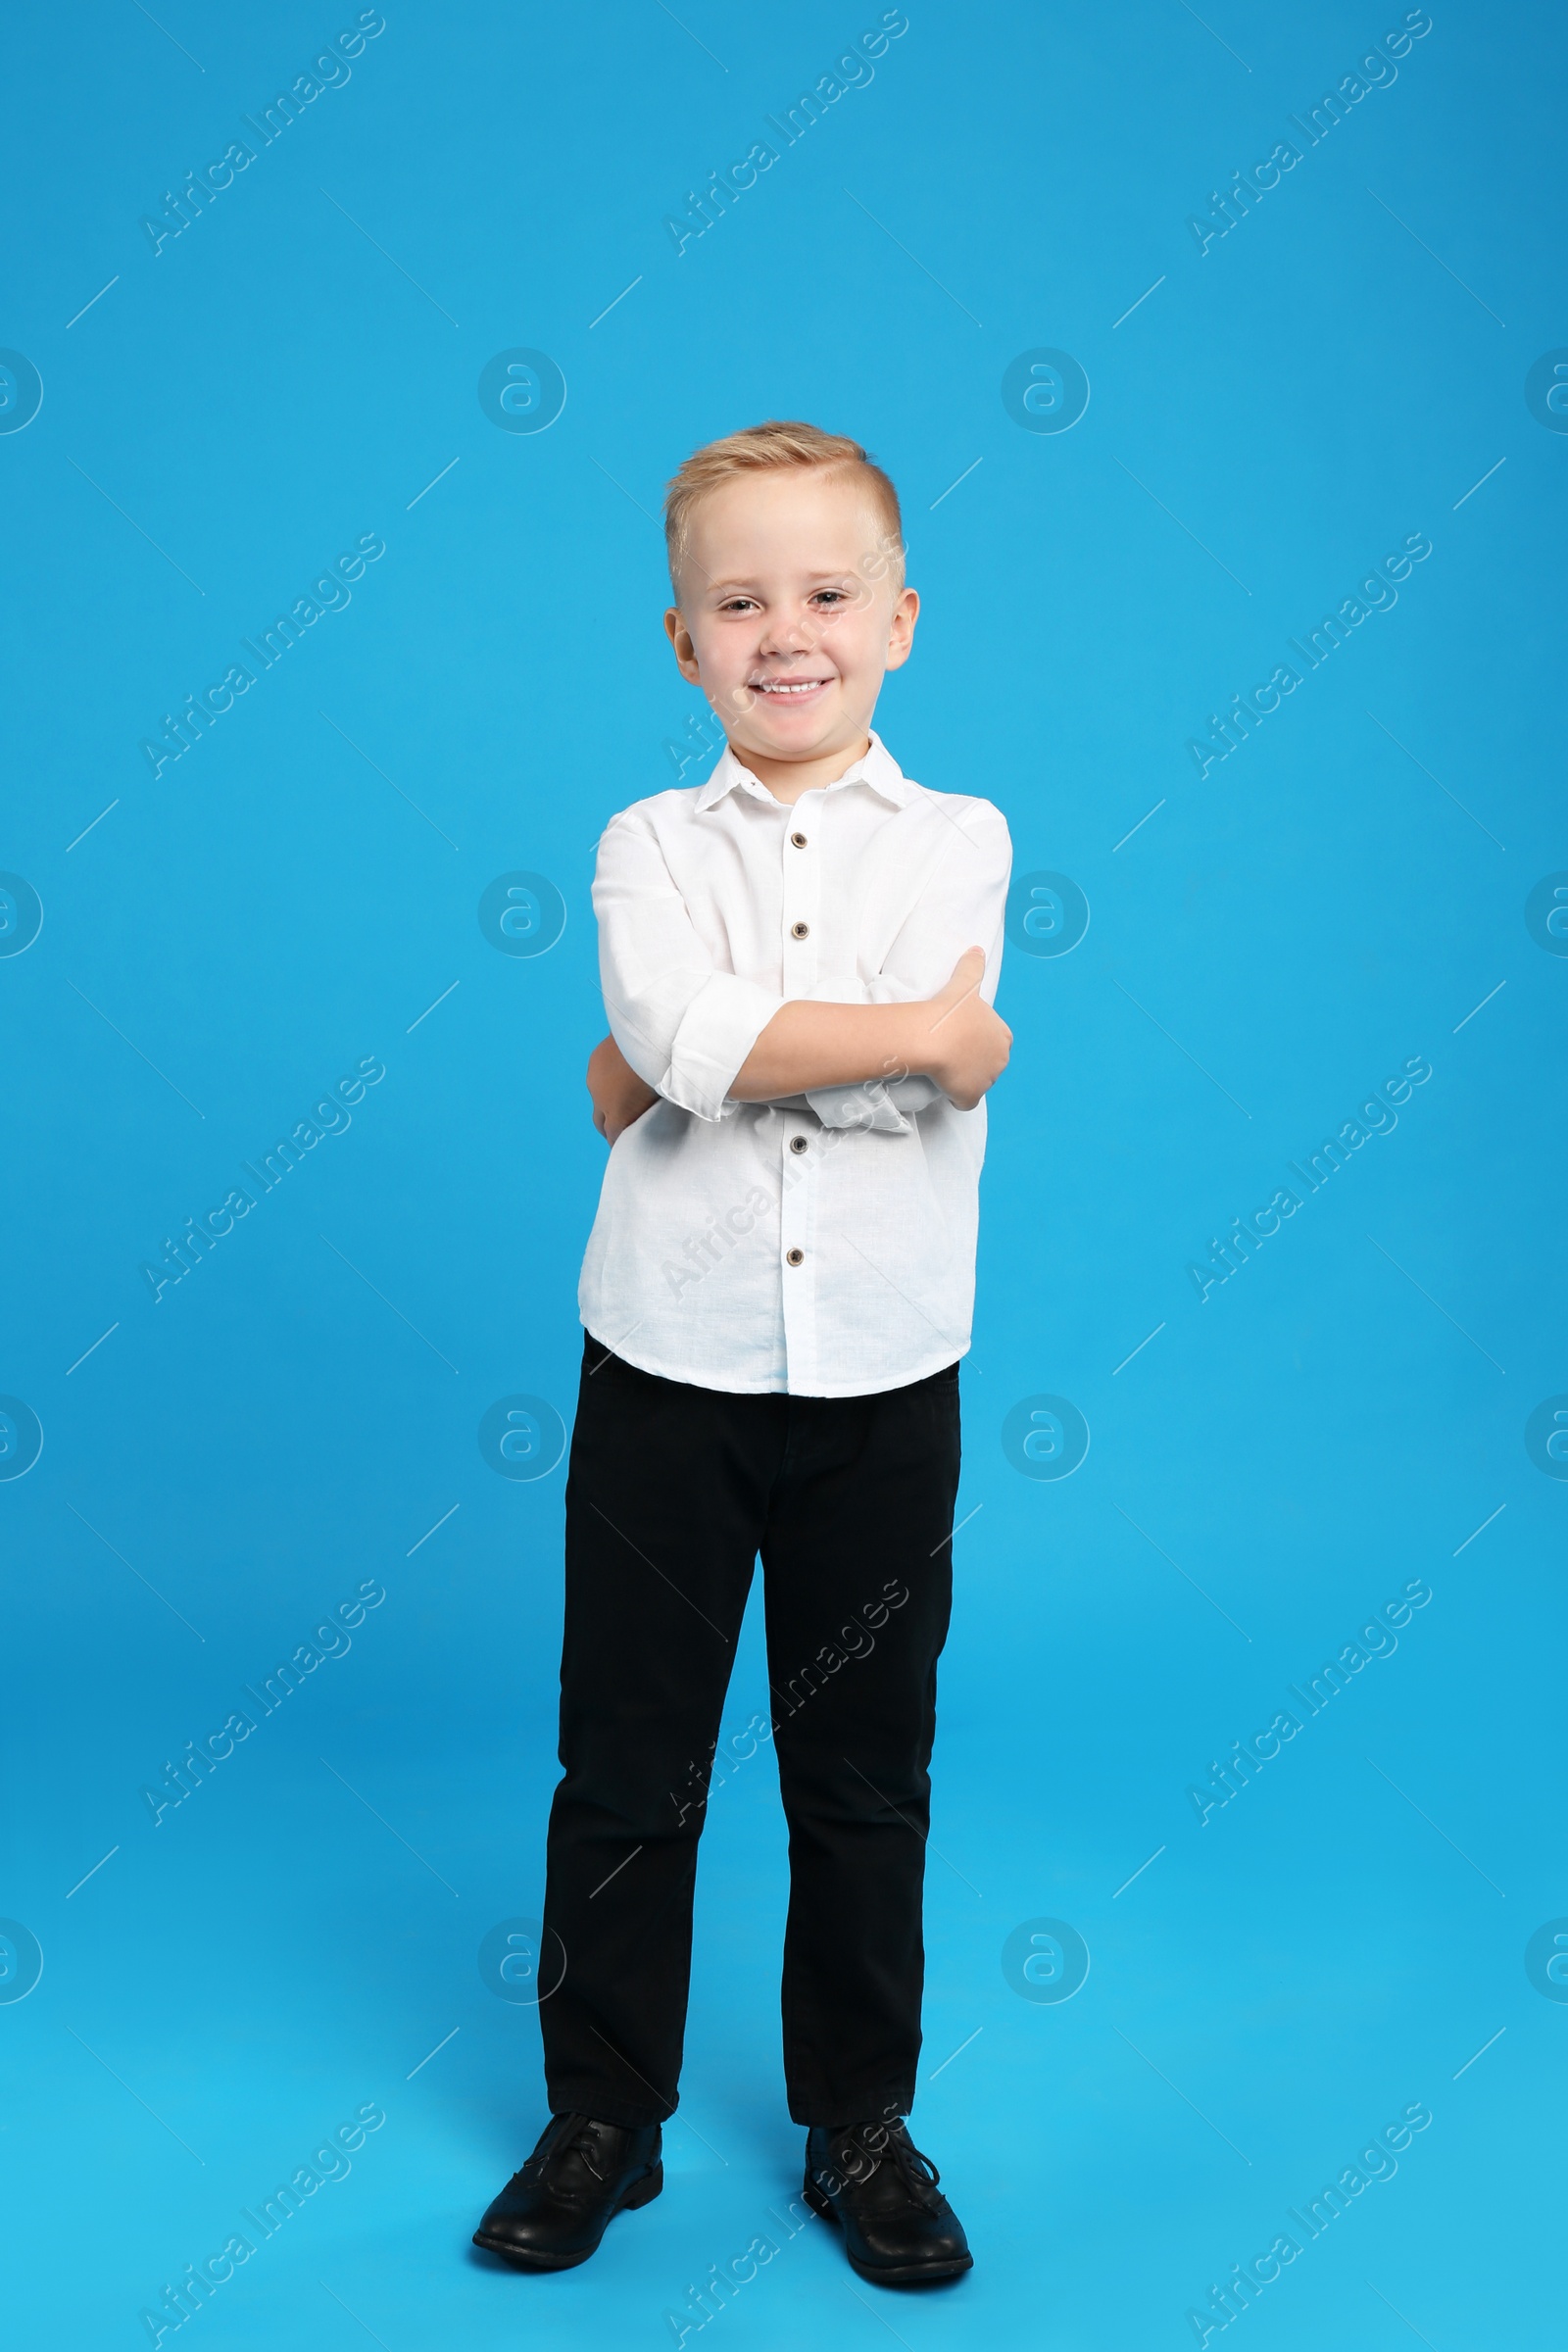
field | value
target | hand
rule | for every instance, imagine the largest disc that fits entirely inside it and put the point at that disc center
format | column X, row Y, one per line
column 620, row 1096
column 968, row 1044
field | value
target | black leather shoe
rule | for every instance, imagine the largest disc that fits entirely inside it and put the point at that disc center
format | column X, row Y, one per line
column 899, row 2229
column 553, row 2214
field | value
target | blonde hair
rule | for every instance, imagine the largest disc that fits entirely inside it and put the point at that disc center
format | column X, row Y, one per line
column 768, row 448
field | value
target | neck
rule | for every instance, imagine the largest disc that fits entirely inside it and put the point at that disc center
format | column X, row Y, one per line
column 788, row 779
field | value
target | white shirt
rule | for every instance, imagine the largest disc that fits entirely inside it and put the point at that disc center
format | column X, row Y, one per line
column 822, row 1246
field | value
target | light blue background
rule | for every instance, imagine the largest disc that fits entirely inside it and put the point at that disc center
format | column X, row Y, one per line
column 1271, row 944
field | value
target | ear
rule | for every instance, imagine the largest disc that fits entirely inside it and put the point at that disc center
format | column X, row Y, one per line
column 680, row 637
column 901, row 627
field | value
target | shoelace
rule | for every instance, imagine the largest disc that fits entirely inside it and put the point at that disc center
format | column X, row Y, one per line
column 915, row 2168
column 922, row 2181
column 580, row 2142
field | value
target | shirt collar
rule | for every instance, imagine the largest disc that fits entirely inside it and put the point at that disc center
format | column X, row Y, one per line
column 878, row 769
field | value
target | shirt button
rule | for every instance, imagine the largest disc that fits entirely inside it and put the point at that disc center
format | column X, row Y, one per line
column 799, row 930
column 794, row 1257
column 797, row 1143
column 797, row 840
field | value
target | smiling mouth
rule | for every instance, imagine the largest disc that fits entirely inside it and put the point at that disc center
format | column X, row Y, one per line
column 782, row 688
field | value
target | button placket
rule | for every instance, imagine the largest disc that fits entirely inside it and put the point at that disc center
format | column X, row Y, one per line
column 797, row 1255
column 800, row 875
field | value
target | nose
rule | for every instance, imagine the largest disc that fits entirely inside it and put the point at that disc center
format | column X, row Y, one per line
column 788, row 633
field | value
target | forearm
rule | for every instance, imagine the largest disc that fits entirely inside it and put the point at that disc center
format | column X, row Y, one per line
column 807, row 1044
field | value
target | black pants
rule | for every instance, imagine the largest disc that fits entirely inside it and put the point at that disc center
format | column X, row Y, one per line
column 672, row 1491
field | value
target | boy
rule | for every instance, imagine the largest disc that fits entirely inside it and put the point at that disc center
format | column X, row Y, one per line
column 798, row 960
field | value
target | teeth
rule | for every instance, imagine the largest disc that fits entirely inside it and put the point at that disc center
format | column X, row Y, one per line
column 805, row 686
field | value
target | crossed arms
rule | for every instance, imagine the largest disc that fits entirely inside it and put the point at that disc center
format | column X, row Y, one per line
column 708, row 1040
column 954, row 1038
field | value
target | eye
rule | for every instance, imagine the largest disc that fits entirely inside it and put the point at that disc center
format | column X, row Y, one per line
column 738, row 603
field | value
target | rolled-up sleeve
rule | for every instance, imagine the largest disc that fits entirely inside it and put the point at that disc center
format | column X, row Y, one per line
column 684, row 1026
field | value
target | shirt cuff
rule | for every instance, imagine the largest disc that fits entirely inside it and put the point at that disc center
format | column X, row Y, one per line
column 884, row 1106
column 719, row 1029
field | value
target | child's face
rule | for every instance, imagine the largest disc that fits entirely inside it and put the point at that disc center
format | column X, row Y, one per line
column 790, row 613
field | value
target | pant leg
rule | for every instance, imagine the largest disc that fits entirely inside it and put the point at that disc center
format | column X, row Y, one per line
column 666, row 1498
column 857, row 1559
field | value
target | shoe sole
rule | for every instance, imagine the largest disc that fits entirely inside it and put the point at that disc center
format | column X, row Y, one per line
column 903, row 2273
column 642, row 2192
